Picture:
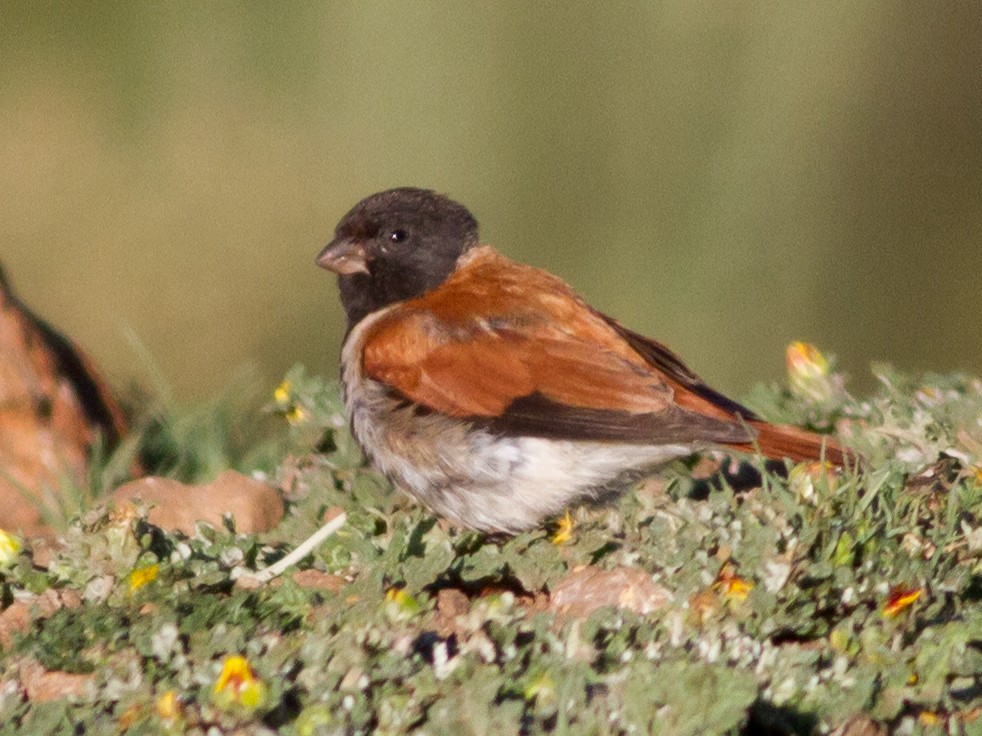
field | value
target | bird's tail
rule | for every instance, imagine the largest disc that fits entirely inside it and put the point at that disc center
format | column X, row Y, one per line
column 778, row 441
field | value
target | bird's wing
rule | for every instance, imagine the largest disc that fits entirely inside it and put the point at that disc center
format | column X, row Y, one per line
column 515, row 348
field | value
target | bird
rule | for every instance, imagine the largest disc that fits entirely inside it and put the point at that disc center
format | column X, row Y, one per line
column 493, row 393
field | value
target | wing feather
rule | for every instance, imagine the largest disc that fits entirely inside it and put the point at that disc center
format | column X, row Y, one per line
column 544, row 363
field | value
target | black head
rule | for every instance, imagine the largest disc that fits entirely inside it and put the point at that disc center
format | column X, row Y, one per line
column 395, row 245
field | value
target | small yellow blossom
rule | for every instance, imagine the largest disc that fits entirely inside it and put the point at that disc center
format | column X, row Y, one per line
column 900, row 598
column 804, row 359
column 808, row 371
column 238, row 685
column 396, row 594
column 564, row 530
column 731, row 585
column 297, row 414
column 142, row 576
column 737, row 589
column 282, row 393
column 728, row 588
column 401, row 603
column 169, row 706
column 977, row 473
column 294, row 412
column 928, row 718
column 10, row 547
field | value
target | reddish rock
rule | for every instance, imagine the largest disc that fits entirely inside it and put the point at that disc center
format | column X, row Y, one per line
column 17, row 617
column 317, row 580
column 248, row 582
column 450, row 604
column 52, row 406
column 331, row 513
column 254, row 505
column 588, row 588
column 311, row 579
column 42, row 686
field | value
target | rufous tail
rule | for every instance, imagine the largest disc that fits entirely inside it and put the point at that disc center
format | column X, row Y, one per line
column 779, row 441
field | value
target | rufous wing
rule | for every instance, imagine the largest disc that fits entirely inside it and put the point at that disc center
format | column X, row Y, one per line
column 516, row 349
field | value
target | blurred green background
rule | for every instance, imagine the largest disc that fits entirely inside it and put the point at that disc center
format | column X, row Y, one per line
column 727, row 177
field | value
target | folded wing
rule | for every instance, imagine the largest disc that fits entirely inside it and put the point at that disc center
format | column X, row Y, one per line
column 540, row 362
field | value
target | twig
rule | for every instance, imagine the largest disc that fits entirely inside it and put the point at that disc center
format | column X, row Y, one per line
column 302, row 550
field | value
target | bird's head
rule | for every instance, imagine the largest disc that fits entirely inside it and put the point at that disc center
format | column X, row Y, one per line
column 396, row 245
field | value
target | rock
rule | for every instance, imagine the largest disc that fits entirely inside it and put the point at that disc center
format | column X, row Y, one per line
column 17, row 617
column 52, row 407
column 450, row 604
column 317, row 580
column 41, row 686
column 248, row 582
column 588, row 588
column 255, row 506
column 310, row 579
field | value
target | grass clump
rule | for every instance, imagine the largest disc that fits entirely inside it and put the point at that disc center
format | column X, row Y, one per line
column 792, row 607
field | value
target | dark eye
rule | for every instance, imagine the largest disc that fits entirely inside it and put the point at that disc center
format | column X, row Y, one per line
column 397, row 236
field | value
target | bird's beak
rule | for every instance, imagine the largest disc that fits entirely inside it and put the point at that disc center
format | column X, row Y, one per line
column 344, row 257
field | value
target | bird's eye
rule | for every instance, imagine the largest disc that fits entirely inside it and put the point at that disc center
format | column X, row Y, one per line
column 397, row 236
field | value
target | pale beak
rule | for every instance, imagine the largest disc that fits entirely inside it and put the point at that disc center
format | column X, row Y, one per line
column 344, row 257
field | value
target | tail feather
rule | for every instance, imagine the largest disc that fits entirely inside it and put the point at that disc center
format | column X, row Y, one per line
column 778, row 441
column 774, row 441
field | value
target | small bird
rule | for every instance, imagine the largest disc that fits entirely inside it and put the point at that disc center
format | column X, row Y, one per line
column 492, row 392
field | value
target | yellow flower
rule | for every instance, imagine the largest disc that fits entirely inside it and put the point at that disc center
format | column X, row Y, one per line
column 804, row 359
column 10, row 547
column 564, row 530
column 900, row 598
column 296, row 414
column 169, row 706
column 238, row 685
column 731, row 585
column 143, row 575
column 737, row 589
column 401, row 603
column 282, row 393
column 808, row 371
column 286, row 403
